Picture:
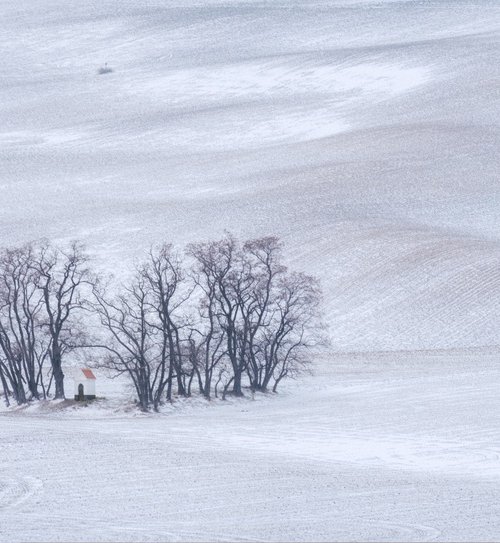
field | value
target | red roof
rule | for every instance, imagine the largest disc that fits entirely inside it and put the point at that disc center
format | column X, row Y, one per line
column 88, row 373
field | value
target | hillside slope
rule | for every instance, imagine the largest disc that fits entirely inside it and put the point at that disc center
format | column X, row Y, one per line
column 366, row 134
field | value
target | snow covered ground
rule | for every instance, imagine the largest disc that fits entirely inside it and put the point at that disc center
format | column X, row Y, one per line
column 386, row 446
column 365, row 133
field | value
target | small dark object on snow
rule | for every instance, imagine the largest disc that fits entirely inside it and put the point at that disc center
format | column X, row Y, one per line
column 104, row 69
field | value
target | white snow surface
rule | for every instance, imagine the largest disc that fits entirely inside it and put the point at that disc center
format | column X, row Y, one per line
column 365, row 133
column 389, row 446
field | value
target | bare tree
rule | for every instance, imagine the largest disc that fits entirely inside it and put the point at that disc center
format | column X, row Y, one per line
column 61, row 278
column 208, row 341
column 263, row 257
column 220, row 271
column 131, row 342
column 295, row 331
column 165, row 277
column 143, row 326
column 265, row 316
column 23, row 343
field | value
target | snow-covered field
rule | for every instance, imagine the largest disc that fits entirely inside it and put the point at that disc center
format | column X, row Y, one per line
column 364, row 133
column 386, row 446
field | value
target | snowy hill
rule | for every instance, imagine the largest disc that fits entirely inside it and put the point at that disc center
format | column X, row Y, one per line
column 364, row 133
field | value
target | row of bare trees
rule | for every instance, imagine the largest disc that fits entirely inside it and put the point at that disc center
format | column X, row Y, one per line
column 40, row 296
column 214, row 319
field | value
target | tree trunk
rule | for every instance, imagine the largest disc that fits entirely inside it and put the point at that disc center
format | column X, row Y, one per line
column 6, row 391
column 181, row 389
column 265, row 382
column 237, row 383
column 57, row 372
column 169, row 380
column 208, row 385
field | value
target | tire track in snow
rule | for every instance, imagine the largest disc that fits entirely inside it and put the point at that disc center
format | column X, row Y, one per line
column 16, row 490
column 405, row 532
